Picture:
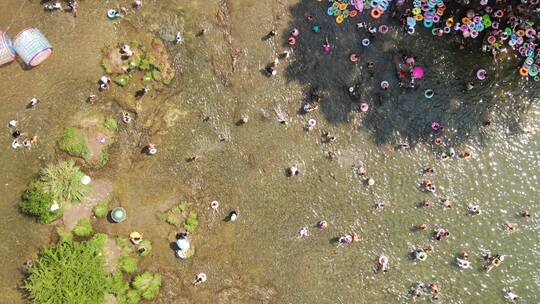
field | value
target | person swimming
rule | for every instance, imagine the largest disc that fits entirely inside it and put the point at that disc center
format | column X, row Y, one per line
column 346, row 239
column 440, row 234
column 199, row 279
column 233, row 216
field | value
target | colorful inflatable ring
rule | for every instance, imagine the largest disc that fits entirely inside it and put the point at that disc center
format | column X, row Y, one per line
column 342, row 6
column 354, row 58
column 418, row 17
column 353, row 13
column 416, row 11
column 339, row 19
column 481, row 74
column 428, row 23
column 499, row 14
column 450, row 22
column 536, row 78
column 376, row 13
column 520, row 33
column 346, row 14
column 383, row 28
column 292, row 41
column 330, row 11
column 465, row 20
column 491, row 39
column 523, row 71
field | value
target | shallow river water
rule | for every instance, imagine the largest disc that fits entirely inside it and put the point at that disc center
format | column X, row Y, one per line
column 259, row 258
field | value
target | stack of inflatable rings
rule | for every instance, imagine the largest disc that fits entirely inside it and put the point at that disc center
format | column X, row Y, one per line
column 339, row 9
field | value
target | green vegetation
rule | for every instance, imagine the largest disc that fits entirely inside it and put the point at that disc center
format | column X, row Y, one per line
column 60, row 183
column 173, row 216
column 147, row 284
column 121, row 80
column 70, row 272
column 103, row 158
column 63, row 182
column 73, row 141
column 177, row 216
column 37, row 203
column 83, row 228
column 124, row 244
column 144, row 248
column 191, row 222
column 133, row 297
column 153, row 63
column 107, row 66
column 127, row 264
column 101, row 209
column 64, row 234
column 110, row 123
column 117, row 286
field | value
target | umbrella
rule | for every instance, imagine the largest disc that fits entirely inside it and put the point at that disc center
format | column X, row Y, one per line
column 182, row 244
column 417, row 72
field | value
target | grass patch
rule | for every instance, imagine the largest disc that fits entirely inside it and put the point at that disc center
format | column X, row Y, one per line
column 70, row 272
column 127, row 264
column 191, row 222
column 147, row 284
column 63, row 182
column 110, row 123
column 37, row 203
column 144, row 248
column 103, row 157
column 101, row 209
column 133, row 297
column 73, row 141
column 107, row 65
column 64, row 234
column 124, row 244
column 83, row 228
column 121, row 80
column 173, row 216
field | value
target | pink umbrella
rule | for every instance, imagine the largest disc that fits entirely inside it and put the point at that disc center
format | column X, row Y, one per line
column 417, row 72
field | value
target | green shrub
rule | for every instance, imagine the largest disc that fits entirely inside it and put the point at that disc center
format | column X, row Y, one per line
column 83, row 228
column 64, row 234
column 124, row 244
column 110, row 123
column 147, row 284
column 69, row 272
column 101, row 209
column 133, row 297
column 121, row 80
column 63, row 181
column 144, row 248
column 73, row 141
column 173, row 216
column 191, row 222
column 117, row 285
column 37, row 203
column 127, row 264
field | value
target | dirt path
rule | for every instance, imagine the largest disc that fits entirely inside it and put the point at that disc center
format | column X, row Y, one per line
column 101, row 189
column 112, row 254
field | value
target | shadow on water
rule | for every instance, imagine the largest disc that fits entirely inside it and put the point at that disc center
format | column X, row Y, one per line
column 404, row 114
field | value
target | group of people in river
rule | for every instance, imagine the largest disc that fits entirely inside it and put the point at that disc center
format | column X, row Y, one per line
column 408, row 73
